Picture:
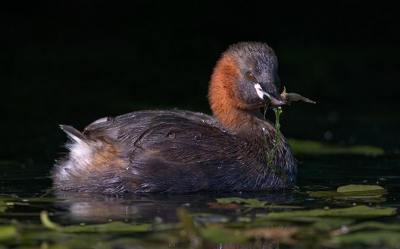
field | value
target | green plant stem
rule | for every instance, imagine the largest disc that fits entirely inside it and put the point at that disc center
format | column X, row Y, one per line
column 277, row 142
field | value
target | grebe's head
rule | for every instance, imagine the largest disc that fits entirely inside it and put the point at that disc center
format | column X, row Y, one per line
column 245, row 78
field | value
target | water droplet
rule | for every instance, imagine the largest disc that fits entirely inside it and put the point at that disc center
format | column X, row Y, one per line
column 197, row 136
column 171, row 135
column 263, row 128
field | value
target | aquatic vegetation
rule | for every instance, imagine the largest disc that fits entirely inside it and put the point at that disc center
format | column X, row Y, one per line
column 322, row 210
column 286, row 226
column 306, row 147
column 277, row 141
column 353, row 194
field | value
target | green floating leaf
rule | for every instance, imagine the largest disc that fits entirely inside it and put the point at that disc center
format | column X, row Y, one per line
column 248, row 202
column 187, row 222
column 318, row 223
column 352, row 190
column 360, row 188
column 324, row 193
column 377, row 238
column 3, row 206
column 8, row 232
column 116, row 227
column 373, row 225
column 318, row 148
column 328, row 224
column 360, row 211
column 112, row 227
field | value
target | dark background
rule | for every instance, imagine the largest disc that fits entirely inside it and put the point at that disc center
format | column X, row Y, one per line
column 70, row 63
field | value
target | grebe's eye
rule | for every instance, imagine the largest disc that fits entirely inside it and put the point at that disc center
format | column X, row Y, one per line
column 250, row 76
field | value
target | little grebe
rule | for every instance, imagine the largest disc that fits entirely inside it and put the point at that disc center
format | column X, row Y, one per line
column 180, row 151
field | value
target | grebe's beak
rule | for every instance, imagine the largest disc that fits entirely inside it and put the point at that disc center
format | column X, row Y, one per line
column 277, row 102
column 270, row 96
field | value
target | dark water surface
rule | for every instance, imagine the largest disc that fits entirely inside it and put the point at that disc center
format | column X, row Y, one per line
column 316, row 173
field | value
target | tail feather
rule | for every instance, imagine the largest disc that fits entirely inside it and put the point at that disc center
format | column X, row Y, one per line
column 73, row 133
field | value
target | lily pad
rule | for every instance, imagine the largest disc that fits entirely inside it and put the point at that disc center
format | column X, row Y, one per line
column 318, row 148
column 376, row 238
column 187, row 222
column 117, row 226
column 328, row 224
column 360, row 188
column 8, row 232
column 370, row 193
column 3, row 206
column 367, row 225
column 247, row 202
column 359, row 211
column 112, row 227
column 318, row 223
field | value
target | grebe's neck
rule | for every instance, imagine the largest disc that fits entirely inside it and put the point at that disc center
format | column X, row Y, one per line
column 232, row 113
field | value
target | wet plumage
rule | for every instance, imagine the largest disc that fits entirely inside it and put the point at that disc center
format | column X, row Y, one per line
column 180, row 151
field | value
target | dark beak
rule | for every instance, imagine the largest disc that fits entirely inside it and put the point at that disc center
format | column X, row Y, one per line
column 270, row 94
column 277, row 102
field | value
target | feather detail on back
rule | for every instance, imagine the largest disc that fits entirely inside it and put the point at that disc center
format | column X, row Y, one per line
column 73, row 133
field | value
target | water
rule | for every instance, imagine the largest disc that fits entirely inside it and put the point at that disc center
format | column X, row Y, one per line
column 316, row 173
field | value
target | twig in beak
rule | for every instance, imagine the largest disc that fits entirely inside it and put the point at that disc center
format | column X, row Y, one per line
column 290, row 97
